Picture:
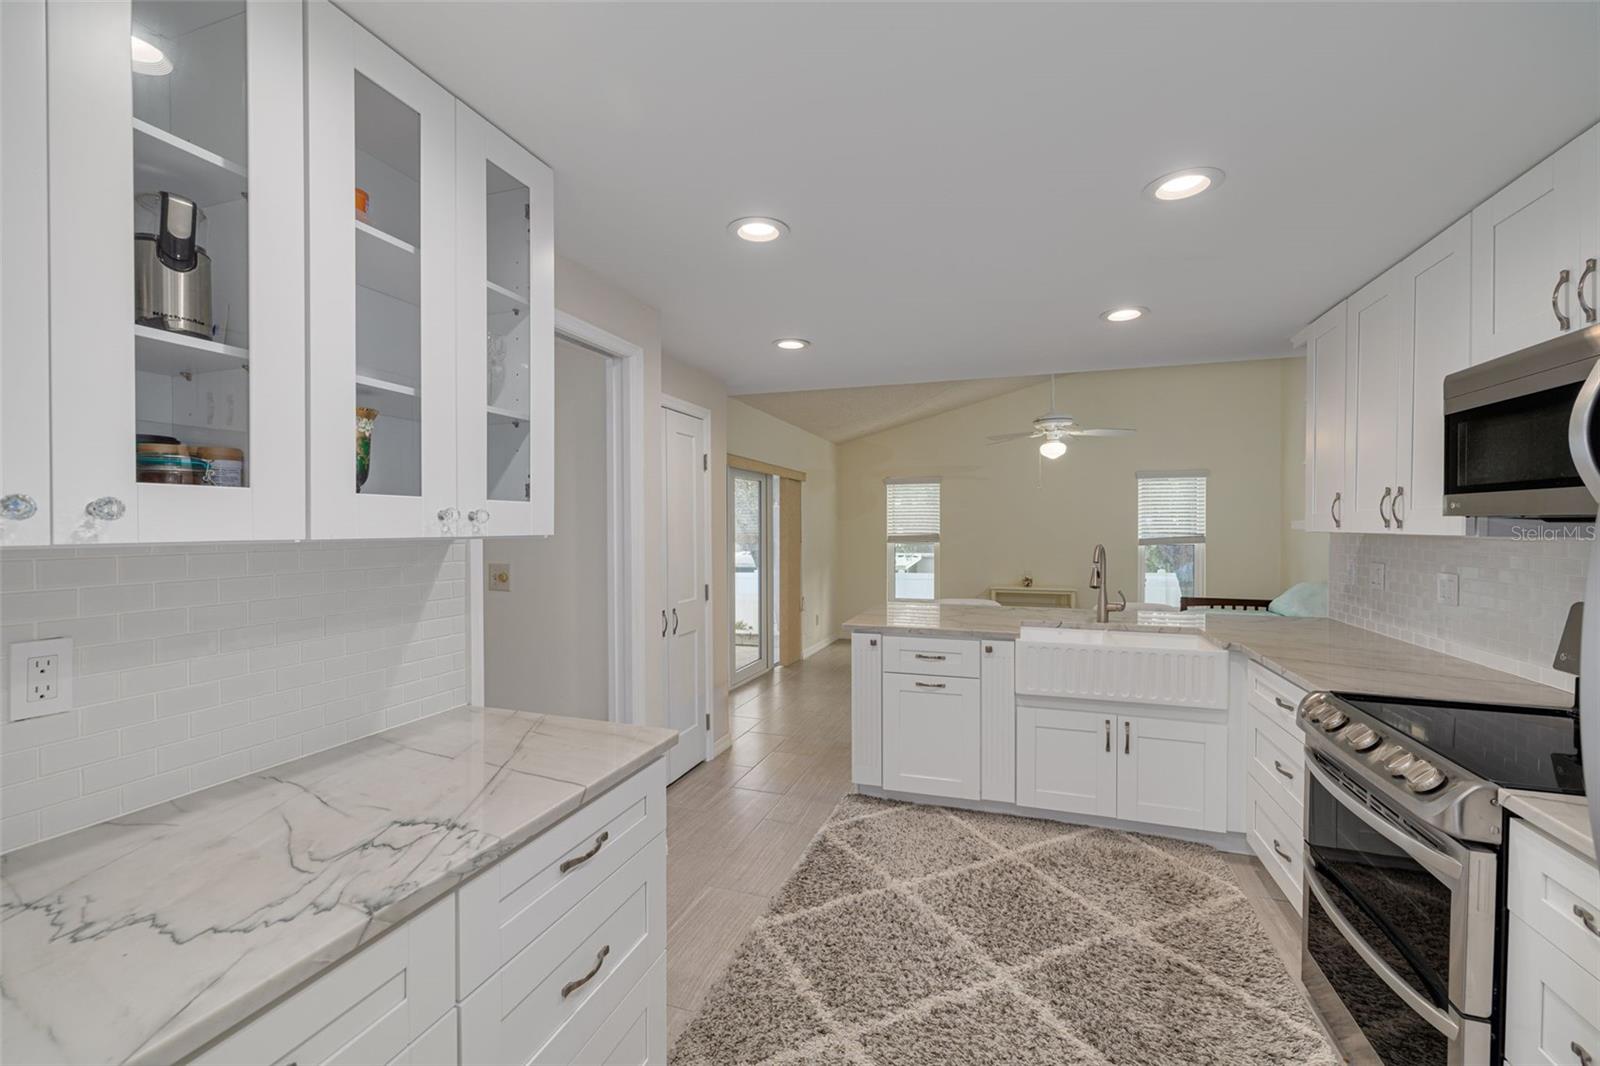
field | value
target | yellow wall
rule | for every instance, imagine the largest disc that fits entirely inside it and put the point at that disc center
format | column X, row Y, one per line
column 755, row 434
column 1006, row 511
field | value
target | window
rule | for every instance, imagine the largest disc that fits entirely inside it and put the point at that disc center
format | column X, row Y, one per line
column 1172, row 535
column 913, row 507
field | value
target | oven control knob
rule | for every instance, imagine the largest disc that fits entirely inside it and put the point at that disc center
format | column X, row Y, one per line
column 1334, row 721
column 1361, row 738
column 1398, row 764
column 1424, row 777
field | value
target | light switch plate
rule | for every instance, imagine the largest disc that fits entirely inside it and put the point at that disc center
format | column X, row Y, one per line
column 497, row 577
column 41, row 678
column 1449, row 589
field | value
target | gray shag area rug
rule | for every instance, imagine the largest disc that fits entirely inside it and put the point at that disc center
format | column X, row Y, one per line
column 927, row 935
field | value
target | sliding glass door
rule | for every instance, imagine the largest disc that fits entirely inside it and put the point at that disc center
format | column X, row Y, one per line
column 750, row 534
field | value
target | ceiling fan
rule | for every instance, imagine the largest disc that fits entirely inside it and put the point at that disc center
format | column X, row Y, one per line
column 1054, row 429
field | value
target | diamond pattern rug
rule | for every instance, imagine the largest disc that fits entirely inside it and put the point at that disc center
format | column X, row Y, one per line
column 926, row 935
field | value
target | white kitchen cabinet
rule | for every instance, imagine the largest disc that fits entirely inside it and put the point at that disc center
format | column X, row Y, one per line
column 1534, row 245
column 383, row 286
column 1372, row 418
column 998, row 775
column 1276, row 838
column 866, row 708
column 24, row 283
column 505, row 333
column 932, row 735
column 1065, row 760
column 1324, row 342
column 221, row 127
column 1173, row 772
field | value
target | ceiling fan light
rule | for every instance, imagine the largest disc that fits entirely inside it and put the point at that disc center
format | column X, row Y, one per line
column 1053, row 449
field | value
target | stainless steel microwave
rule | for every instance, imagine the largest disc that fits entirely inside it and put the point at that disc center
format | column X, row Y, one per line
column 1518, row 428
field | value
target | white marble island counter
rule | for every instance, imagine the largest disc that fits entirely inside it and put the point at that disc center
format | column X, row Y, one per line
column 141, row 939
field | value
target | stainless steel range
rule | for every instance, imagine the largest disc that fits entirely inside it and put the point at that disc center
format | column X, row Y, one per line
column 1403, row 848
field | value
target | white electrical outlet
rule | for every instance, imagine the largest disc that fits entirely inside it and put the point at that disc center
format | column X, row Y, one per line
column 41, row 678
column 1449, row 590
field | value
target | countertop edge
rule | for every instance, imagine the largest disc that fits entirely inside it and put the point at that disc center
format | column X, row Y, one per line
column 1537, row 810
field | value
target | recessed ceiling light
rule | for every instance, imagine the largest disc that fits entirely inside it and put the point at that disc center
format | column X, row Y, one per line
column 792, row 344
column 1053, row 449
column 147, row 58
column 1182, row 184
column 758, row 230
column 1124, row 314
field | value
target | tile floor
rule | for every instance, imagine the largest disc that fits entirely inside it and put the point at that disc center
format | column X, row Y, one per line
column 737, row 825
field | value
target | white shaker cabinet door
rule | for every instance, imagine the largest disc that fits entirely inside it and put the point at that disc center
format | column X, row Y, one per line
column 931, row 735
column 1530, row 241
column 24, row 279
column 505, row 333
column 1324, row 342
column 382, row 215
column 1065, row 760
column 1372, row 423
column 1172, row 773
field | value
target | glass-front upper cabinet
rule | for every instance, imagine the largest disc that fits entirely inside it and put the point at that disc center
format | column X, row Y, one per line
column 505, row 330
column 381, row 183
column 176, row 266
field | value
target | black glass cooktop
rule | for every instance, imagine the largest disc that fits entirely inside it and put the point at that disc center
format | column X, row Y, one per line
column 1515, row 747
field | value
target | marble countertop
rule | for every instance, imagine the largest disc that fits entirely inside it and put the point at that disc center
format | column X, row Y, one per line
column 141, row 939
column 1563, row 818
column 1314, row 653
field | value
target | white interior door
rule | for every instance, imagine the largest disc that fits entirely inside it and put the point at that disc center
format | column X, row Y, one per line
column 683, row 574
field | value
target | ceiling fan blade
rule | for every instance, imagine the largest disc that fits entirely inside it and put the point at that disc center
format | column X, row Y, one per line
column 1101, row 432
column 1001, row 438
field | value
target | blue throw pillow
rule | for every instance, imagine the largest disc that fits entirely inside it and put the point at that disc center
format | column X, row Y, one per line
column 1309, row 599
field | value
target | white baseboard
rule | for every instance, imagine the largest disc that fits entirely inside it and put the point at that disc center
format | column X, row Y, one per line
column 722, row 744
column 818, row 646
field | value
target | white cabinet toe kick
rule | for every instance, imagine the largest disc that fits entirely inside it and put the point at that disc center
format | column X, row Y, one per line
column 1141, row 738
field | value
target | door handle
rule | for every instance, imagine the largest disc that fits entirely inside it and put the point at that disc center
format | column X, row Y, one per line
column 1127, row 739
column 1586, row 916
column 928, row 658
column 1333, row 509
column 1284, row 855
column 674, row 621
column 929, row 684
column 1555, row 299
column 1584, row 1058
column 1588, row 308
column 1108, row 734
column 1583, row 413
column 1394, row 507
column 599, row 961
column 663, row 621
column 579, row 860
column 1278, row 766
column 1387, row 492
column 1281, row 702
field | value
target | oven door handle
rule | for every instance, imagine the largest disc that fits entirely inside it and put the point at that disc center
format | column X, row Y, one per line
column 1436, row 862
column 1583, row 413
column 1440, row 1020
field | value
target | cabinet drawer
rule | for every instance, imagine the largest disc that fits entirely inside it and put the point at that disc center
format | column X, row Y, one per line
column 1277, row 761
column 594, row 954
column 1551, row 1002
column 437, row 1047
column 1275, row 837
column 632, row 1034
column 932, row 735
column 1552, row 889
column 1274, row 697
column 513, row 902
column 932, row 655
column 366, row 1009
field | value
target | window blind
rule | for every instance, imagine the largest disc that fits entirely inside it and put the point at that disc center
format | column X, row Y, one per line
column 1172, row 508
column 913, row 510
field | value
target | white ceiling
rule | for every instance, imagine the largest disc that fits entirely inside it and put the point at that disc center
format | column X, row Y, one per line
column 964, row 181
column 839, row 415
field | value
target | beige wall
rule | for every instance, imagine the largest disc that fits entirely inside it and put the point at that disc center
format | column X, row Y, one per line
column 1305, row 555
column 758, row 435
column 1005, row 511
column 547, row 639
column 695, row 386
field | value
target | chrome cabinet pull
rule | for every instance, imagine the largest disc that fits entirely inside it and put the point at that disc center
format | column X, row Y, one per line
column 1588, row 308
column 1555, row 299
column 1333, row 510
column 674, row 621
column 663, row 621
column 1586, row 916
column 579, row 860
column 1284, row 855
column 1127, row 740
column 1394, row 507
column 928, row 658
column 1387, row 492
column 1278, row 766
column 1584, row 1058
column 599, row 961
column 18, row 506
column 1108, row 734
column 929, row 684
column 1281, row 702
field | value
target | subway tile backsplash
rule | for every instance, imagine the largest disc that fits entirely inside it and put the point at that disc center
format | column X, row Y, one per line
column 1513, row 600
column 200, row 664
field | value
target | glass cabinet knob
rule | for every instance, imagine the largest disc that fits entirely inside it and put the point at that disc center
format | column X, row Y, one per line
column 478, row 517
column 106, row 509
column 18, row 506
